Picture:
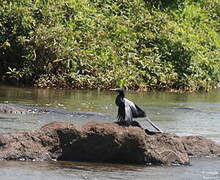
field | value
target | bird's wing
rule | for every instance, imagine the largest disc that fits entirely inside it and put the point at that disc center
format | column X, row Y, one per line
column 128, row 112
column 121, row 114
column 136, row 111
column 140, row 112
column 121, row 108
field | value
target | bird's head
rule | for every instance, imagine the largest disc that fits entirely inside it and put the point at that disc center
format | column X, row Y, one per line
column 120, row 91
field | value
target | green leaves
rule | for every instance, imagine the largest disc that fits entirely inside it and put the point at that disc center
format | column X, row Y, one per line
column 103, row 44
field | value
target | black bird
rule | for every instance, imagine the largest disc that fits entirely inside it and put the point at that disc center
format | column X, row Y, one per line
column 127, row 110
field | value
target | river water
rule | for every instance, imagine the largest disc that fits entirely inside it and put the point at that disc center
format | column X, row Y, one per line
column 183, row 114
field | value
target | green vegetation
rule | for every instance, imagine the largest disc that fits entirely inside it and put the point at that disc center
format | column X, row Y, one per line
column 141, row 44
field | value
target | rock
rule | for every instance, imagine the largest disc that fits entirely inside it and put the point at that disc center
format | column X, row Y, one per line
column 101, row 142
column 24, row 109
column 200, row 146
column 7, row 108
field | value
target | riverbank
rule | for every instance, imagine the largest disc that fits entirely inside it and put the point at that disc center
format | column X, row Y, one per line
column 145, row 45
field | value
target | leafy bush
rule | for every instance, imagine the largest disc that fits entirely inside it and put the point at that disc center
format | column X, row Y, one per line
column 103, row 44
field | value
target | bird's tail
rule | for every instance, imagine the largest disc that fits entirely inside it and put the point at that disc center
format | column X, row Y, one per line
column 157, row 128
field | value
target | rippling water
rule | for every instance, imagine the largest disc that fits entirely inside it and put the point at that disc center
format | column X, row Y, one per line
column 183, row 114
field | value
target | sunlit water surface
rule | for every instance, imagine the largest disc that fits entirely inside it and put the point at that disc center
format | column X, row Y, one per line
column 183, row 114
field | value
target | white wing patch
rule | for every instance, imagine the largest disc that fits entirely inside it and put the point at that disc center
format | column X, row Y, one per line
column 132, row 110
column 129, row 105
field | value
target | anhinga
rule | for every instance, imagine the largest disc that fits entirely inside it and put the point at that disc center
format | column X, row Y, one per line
column 127, row 110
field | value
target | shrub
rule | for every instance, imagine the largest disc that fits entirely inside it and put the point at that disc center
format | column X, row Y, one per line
column 103, row 44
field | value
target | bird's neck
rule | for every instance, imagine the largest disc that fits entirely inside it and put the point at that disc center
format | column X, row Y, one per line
column 122, row 95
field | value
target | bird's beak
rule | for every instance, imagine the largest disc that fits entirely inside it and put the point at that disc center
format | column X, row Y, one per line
column 112, row 89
